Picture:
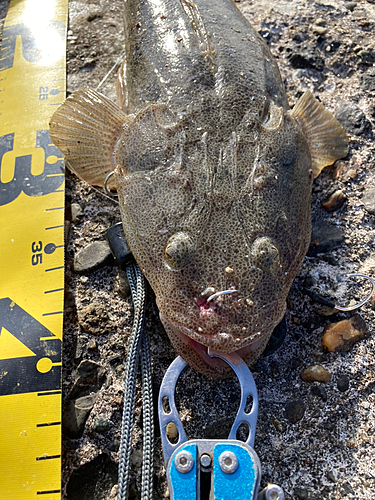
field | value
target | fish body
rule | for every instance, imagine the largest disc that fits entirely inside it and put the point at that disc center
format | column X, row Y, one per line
column 212, row 169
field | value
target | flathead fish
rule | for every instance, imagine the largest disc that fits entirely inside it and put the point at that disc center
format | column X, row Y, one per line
column 212, row 169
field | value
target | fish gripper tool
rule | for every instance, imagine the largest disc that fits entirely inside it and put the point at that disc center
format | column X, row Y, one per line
column 213, row 469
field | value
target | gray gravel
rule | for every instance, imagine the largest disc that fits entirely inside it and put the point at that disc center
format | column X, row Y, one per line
column 316, row 442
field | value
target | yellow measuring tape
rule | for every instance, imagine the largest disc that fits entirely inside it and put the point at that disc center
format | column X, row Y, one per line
column 32, row 85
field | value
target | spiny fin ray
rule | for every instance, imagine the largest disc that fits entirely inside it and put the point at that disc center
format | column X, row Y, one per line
column 326, row 136
column 86, row 128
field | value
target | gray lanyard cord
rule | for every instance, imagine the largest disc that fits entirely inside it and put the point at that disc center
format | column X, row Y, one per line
column 139, row 343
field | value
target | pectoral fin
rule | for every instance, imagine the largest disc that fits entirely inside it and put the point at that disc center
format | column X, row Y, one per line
column 86, row 129
column 326, row 136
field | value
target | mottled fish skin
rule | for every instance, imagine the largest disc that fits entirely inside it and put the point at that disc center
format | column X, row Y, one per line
column 214, row 176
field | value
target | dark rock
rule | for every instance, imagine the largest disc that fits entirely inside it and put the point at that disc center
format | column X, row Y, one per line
column 319, row 392
column 71, row 444
column 347, row 488
column 324, row 237
column 93, row 480
column 101, row 424
column 306, row 56
column 94, row 256
column 331, row 477
column 301, row 493
column 294, row 411
column 368, row 81
column 75, row 414
column 89, row 378
column 366, row 57
column 352, row 118
column 343, row 383
column 368, row 199
column 94, row 319
column 114, row 445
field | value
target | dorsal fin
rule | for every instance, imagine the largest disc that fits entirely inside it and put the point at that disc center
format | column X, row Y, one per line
column 86, row 128
column 326, row 136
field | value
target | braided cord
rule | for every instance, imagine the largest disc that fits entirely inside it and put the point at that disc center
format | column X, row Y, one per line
column 138, row 291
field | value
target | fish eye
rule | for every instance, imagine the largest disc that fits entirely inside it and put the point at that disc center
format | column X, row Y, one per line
column 179, row 250
column 272, row 116
column 265, row 253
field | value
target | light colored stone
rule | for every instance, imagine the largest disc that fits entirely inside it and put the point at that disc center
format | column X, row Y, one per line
column 316, row 373
column 342, row 335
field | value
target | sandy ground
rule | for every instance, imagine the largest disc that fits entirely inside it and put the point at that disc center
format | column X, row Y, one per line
column 330, row 452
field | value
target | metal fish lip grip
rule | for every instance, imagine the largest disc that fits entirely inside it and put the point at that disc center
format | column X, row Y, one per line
column 32, row 85
column 208, row 468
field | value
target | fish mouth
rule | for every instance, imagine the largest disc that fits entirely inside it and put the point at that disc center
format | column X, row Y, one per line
column 193, row 347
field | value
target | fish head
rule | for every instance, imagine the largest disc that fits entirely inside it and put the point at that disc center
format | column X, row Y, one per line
column 220, row 229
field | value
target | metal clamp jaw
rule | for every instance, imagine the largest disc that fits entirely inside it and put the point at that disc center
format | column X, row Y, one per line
column 207, row 469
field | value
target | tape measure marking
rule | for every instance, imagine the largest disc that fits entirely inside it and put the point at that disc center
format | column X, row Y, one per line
column 32, row 84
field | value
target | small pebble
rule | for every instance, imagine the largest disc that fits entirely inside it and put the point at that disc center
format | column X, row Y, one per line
column 122, row 284
column 101, row 424
column 294, row 411
column 335, row 201
column 316, row 373
column 301, row 493
column 341, row 336
column 320, row 30
column 366, row 57
column 77, row 211
column 325, row 237
column 75, row 414
column 368, row 200
column 343, row 383
column 279, row 426
column 114, row 445
column 92, row 345
column 347, row 488
column 93, row 256
column 136, row 458
column 319, row 391
column 352, row 118
column 171, row 432
column 351, row 5
column 331, row 477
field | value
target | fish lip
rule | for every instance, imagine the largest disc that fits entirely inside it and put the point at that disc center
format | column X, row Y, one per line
column 231, row 345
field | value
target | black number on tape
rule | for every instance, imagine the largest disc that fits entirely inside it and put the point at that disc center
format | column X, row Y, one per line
column 37, row 257
column 23, row 181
